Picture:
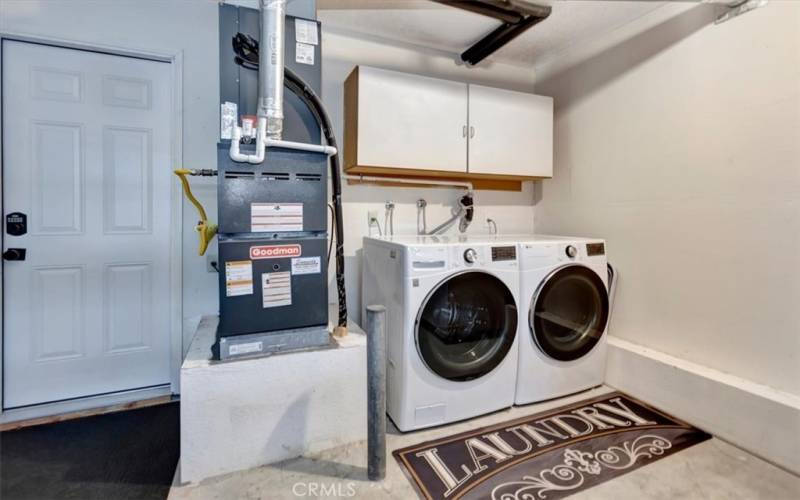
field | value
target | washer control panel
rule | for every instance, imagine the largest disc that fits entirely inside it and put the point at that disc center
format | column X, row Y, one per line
column 504, row 253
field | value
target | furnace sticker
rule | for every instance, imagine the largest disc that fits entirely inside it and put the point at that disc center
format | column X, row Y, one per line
column 238, row 278
column 304, row 54
column 276, row 289
column 305, row 31
column 250, row 347
column 228, row 113
column 275, row 217
column 306, row 265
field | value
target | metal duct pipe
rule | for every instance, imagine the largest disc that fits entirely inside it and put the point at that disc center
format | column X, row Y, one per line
column 270, row 67
column 517, row 16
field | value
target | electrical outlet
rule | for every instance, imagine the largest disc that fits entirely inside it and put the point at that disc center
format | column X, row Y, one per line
column 372, row 217
column 212, row 263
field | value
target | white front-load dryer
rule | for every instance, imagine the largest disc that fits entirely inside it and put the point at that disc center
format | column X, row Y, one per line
column 565, row 312
column 451, row 327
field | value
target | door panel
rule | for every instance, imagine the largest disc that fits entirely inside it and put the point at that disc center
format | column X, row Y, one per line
column 128, row 188
column 466, row 326
column 86, row 155
column 569, row 312
column 410, row 121
column 511, row 133
column 57, row 171
column 127, row 306
column 57, row 303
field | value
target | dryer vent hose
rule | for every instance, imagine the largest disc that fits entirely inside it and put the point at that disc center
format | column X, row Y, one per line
column 612, row 289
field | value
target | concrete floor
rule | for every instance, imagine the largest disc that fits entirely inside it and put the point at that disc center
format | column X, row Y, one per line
column 710, row 470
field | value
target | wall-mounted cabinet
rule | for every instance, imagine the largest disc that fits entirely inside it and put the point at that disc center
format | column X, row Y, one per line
column 398, row 124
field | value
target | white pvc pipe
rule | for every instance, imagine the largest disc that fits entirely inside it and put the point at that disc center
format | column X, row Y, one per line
column 262, row 143
column 301, row 146
column 258, row 157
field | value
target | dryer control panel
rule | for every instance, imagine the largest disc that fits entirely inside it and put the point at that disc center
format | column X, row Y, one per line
column 593, row 249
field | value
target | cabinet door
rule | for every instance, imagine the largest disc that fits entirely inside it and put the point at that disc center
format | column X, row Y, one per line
column 411, row 122
column 511, row 133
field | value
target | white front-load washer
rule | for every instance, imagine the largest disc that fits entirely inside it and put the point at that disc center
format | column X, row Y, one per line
column 451, row 326
column 564, row 315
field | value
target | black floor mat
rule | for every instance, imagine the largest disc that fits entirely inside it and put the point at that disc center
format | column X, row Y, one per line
column 125, row 455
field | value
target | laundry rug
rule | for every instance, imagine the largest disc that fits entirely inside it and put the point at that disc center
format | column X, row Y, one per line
column 548, row 455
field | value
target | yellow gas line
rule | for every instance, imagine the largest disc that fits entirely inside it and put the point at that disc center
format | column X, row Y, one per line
column 205, row 230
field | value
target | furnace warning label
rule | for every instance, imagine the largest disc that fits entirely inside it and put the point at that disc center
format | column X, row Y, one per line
column 305, row 31
column 304, row 53
column 271, row 217
column 238, row 278
column 276, row 289
column 306, row 265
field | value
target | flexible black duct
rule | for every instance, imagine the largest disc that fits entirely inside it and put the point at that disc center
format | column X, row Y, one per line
column 246, row 49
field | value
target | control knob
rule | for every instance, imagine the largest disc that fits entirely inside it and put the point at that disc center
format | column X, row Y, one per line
column 571, row 251
column 470, row 255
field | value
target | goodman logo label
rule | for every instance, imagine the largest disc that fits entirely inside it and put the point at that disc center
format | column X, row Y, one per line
column 275, row 251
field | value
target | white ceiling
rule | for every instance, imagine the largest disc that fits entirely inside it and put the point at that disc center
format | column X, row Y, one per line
column 428, row 24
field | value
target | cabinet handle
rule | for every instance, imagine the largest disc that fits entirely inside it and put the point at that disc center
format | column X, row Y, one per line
column 471, row 132
column 464, row 131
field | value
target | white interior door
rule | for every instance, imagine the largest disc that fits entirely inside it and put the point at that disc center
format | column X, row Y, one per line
column 86, row 156
column 511, row 133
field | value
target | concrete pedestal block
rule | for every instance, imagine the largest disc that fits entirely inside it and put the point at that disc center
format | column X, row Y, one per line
column 246, row 413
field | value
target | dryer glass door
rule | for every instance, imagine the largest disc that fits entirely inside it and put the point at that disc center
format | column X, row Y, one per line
column 569, row 312
column 466, row 326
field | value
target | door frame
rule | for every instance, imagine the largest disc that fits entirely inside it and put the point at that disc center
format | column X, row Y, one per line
column 175, row 60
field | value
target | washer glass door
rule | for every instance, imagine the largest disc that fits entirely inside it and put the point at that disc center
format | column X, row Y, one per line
column 466, row 326
column 569, row 313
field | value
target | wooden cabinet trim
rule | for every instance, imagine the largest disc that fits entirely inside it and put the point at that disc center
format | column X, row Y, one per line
column 351, row 119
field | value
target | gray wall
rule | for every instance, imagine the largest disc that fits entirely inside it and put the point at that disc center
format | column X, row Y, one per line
column 680, row 144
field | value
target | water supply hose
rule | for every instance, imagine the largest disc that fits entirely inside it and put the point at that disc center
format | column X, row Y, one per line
column 206, row 231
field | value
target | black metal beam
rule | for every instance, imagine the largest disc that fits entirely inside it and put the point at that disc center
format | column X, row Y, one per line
column 517, row 16
column 497, row 39
column 484, row 9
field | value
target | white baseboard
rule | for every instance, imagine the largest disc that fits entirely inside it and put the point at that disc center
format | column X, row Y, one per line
column 757, row 418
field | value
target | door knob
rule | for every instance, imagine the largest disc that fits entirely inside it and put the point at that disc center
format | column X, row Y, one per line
column 14, row 254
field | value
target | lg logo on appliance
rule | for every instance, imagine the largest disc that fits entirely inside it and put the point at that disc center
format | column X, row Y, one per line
column 275, row 251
